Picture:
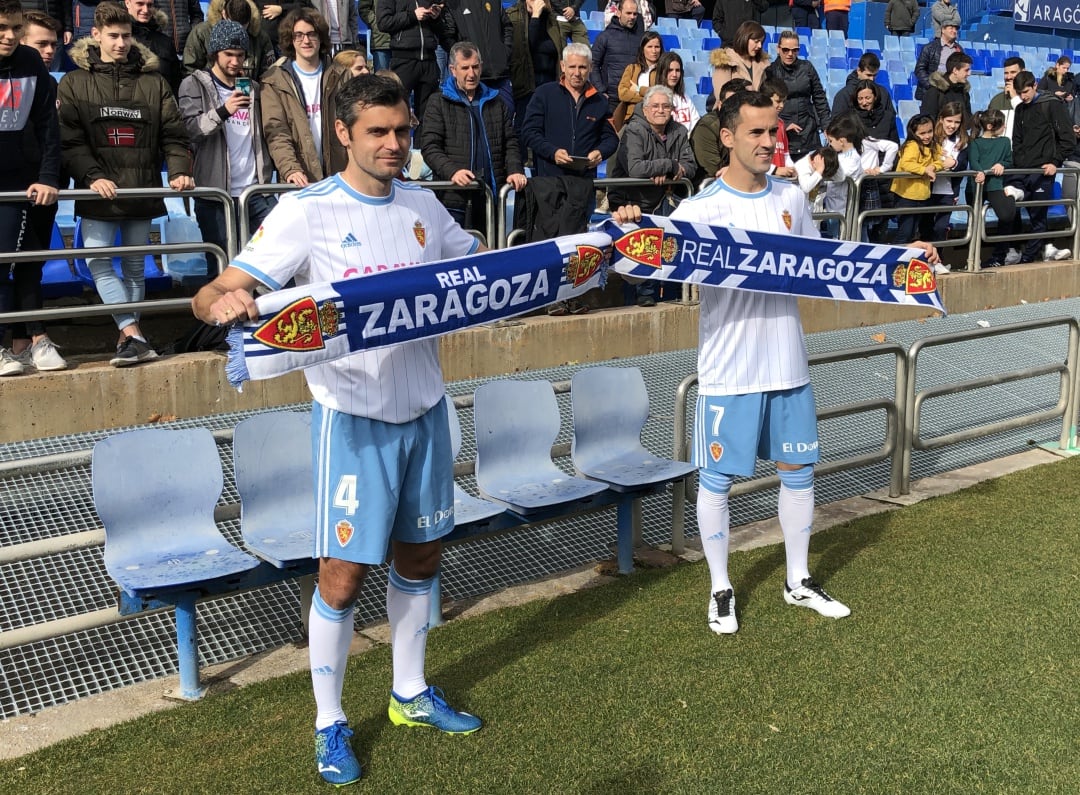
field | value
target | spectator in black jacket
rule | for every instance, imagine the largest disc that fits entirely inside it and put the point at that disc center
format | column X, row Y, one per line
column 148, row 32
column 806, row 111
column 934, row 55
column 29, row 118
column 273, row 12
column 729, row 14
column 486, row 26
column 615, row 49
column 468, row 136
column 1042, row 138
column 949, row 87
column 867, row 68
column 60, row 10
column 804, row 13
column 685, row 9
column 416, row 27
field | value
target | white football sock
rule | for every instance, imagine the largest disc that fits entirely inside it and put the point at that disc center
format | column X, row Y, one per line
column 796, row 513
column 714, row 524
column 408, row 606
column 329, row 637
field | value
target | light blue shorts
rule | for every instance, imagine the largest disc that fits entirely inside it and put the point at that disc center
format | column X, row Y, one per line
column 376, row 481
column 731, row 431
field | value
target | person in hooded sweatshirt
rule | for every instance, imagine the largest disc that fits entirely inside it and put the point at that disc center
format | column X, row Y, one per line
column 118, row 122
column 27, row 108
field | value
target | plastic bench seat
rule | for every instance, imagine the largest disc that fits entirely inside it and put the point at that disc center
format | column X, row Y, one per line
column 607, row 432
column 155, row 491
column 272, row 463
column 517, row 423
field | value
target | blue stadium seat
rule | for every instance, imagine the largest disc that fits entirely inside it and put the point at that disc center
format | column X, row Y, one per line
column 666, row 25
column 272, row 463
column 58, row 278
column 706, row 24
column 173, row 552
column 710, row 44
column 837, row 62
column 688, row 24
column 669, row 42
column 906, row 108
column 607, row 443
column 517, row 422
column 902, row 91
column 468, row 510
column 704, row 85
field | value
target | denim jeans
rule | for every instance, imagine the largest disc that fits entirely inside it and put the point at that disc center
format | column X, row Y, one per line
column 112, row 288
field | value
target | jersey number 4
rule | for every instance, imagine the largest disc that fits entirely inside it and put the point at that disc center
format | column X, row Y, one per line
column 345, row 495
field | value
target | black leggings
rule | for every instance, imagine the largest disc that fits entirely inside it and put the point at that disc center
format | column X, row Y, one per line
column 23, row 228
column 1005, row 209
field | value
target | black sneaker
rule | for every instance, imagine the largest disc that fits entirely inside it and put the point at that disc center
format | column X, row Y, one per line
column 132, row 351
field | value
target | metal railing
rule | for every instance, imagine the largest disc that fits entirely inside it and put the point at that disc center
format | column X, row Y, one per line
column 148, row 306
column 975, row 236
column 490, row 232
column 1066, row 406
column 901, row 437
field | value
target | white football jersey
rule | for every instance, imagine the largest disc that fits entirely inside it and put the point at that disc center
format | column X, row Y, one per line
column 748, row 341
column 328, row 232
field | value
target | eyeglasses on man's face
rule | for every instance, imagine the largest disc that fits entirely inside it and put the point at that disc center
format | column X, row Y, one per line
column 300, row 35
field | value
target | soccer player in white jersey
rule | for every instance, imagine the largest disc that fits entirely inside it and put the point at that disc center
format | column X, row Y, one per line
column 380, row 432
column 754, row 394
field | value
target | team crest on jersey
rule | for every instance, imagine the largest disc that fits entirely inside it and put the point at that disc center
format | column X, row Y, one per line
column 581, row 266
column 916, row 278
column 420, row 232
column 786, row 215
column 716, row 450
column 648, row 246
column 301, row 326
column 344, row 532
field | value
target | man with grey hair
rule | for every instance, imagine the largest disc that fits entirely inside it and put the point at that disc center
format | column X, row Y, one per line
column 468, row 136
column 653, row 146
column 568, row 124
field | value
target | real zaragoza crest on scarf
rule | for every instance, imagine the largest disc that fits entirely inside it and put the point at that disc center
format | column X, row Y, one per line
column 648, row 246
column 301, row 326
column 581, row 266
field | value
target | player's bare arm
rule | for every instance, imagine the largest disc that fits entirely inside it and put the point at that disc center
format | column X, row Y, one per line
column 227, row 299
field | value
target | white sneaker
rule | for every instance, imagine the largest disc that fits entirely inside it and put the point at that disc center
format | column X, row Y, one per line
column 9, row 364
column 1015, row 192
column 810, row 594
column 45, row 357
column 1051, row 253
column 722, row 619
column 941, row 269
column 1013, row 257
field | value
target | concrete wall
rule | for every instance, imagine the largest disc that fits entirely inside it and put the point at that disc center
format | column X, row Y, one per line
column 94, row 396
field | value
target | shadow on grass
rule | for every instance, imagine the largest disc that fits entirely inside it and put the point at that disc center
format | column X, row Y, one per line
column 834, row 549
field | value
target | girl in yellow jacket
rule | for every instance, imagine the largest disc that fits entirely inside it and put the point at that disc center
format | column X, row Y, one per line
column 920, row 156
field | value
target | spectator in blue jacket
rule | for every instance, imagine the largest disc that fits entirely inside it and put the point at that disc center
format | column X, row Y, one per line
column 567, row 124
column 615, row 49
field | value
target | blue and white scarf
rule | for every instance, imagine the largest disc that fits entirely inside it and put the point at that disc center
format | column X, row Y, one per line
column 679, row 251
column 317, row 323
column 303, row 326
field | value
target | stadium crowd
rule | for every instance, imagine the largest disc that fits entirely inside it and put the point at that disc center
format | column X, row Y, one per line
column 520, row 96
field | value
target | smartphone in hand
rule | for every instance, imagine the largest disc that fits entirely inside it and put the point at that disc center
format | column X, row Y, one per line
column 243, row 85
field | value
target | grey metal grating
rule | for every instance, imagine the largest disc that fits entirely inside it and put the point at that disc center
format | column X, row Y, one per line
column 49, row 504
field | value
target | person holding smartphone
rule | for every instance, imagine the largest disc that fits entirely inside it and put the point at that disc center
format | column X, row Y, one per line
column 220, row 106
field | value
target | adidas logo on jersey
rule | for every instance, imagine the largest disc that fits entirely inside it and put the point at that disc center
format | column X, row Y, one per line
column 350, row 241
